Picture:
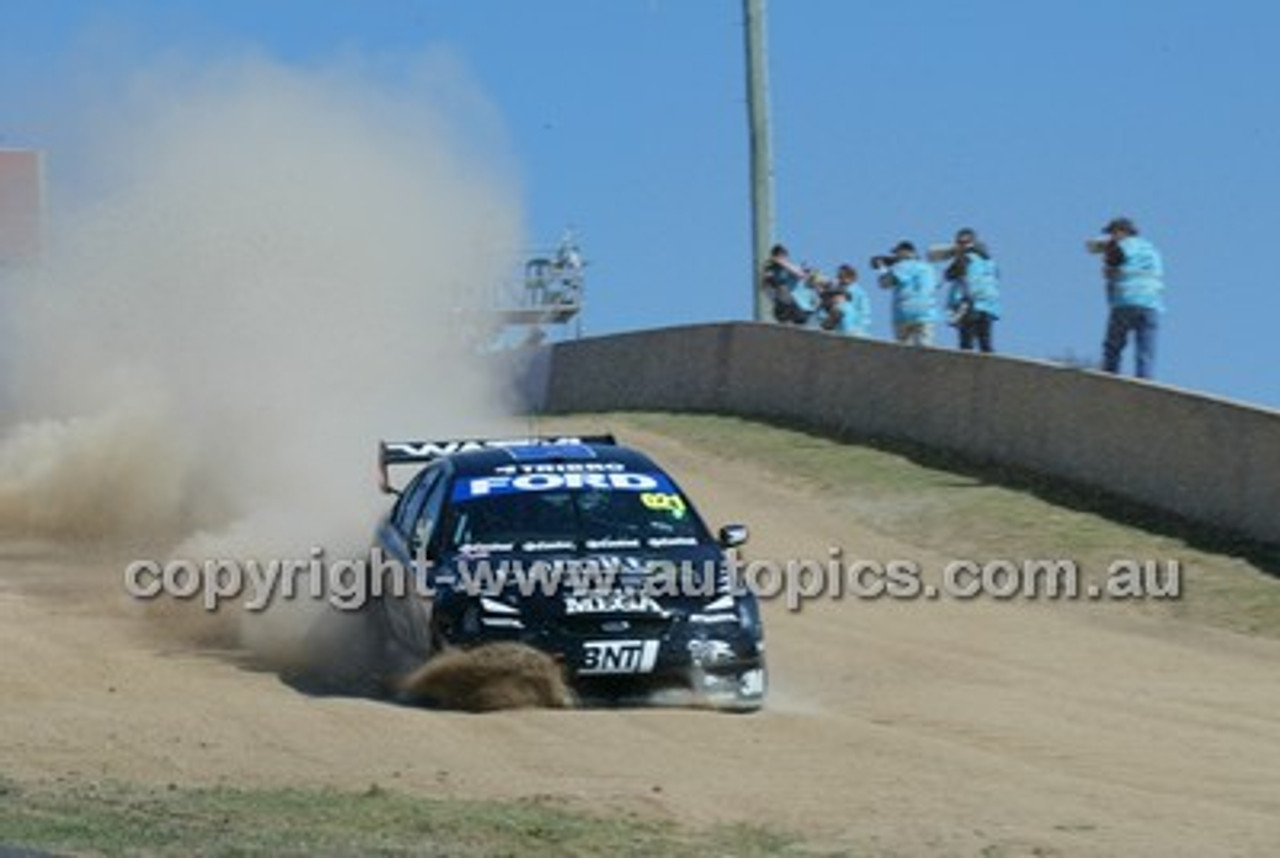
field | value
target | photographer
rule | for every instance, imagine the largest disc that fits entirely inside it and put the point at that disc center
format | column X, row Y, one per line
column 973, row 295
column 787, row 285
column 915, row 293
column 845, row 306
column 1134, row 274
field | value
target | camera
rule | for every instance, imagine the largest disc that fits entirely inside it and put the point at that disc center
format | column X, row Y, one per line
column 1097, row 245
column 960, row 314
column 942, row 252
column 881, row 263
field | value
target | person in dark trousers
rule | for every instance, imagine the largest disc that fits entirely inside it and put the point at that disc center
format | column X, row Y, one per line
column 788, row 288
column 1134, row 274
column 973, row 298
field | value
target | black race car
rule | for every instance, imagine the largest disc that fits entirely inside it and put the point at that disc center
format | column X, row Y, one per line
column 579, row 547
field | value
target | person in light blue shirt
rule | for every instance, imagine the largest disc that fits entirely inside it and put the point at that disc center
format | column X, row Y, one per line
column 846, row 307
column 973, row 295
column 1134, row 275
column 807, row 295
column 915, row 293
column 859, row 309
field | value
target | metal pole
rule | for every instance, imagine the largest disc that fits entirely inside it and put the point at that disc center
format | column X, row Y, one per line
column 761, row 156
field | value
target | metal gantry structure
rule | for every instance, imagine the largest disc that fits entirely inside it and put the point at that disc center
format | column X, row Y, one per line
column 551, row 295
column 548, row 299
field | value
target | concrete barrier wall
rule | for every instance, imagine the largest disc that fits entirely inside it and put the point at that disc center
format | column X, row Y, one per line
column 1208, row 460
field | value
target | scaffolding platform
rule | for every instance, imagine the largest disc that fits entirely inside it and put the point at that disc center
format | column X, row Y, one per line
column 545, row 299
column 547, row 315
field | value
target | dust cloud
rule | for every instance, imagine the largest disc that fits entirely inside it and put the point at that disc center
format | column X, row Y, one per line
column 261, row 270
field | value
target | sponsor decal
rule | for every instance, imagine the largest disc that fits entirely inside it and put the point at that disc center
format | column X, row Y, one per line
column 605, row 544
column 426, row 450
column 672, row 541
column 561, row 468
column 501, row 484
column 477, row 549
column 602, row 658
column 664, row 502
column 623, row 602
column 548, row 545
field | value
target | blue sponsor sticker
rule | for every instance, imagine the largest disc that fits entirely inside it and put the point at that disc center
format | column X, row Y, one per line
column 492, row 485
column 551, row 452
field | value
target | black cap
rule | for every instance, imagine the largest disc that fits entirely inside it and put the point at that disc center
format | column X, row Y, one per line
column 904, row 245
column 1121, row 223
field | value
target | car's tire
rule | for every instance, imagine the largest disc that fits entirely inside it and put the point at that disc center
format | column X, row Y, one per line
column 743, row 691
column 753, row 688
column 407, row 634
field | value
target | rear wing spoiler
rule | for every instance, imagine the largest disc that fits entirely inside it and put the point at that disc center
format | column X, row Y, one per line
column 421, row 452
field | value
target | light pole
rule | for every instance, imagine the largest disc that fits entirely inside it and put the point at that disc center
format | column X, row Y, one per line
column 761, row 156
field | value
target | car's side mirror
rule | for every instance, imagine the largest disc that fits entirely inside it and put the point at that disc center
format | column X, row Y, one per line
column 732, row 535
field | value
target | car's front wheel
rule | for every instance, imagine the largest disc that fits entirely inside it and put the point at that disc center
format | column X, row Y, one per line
column 738, row 691
column 406, row 632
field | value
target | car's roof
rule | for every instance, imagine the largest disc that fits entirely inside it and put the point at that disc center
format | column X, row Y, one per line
column 490, row 459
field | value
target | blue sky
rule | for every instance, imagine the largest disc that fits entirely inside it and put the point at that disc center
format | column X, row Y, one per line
column 626, row 119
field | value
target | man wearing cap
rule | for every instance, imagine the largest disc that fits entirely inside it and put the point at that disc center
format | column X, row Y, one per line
column 1134, row 275
column 915, row 293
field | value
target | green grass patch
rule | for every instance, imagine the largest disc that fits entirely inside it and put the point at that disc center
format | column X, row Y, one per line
column 119, row 819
